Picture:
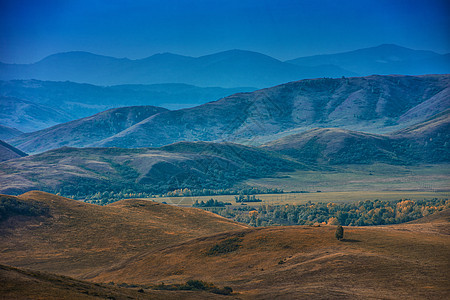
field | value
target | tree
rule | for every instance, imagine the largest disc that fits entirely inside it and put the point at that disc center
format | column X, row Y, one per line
column 339, row 232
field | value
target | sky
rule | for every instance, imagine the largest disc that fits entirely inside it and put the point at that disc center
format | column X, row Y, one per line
column 285, row 29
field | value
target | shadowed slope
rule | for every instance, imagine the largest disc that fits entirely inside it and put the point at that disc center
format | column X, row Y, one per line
column 27, row 284
column 9, row 152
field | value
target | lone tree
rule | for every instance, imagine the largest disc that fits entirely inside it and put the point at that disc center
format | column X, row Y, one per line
column 339, row 232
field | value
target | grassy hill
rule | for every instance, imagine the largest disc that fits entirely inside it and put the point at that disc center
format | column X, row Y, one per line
column 55, row 234
column 86, row 131
column 426, row 142
column 142, row 243
column 305, row 262
column 80, row 172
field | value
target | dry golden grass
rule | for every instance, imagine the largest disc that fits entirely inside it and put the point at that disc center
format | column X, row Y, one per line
column 141, row 242
column 79, row 239
column 25, row 284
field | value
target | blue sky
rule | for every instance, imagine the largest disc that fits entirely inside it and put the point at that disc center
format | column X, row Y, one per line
column 284, row 29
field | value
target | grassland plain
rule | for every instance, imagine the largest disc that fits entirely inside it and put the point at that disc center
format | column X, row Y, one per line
column 302, row 198
column 143, row 243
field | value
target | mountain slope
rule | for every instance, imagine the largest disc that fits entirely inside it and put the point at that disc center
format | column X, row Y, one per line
column 423, row 142
column 374, row 104
column 382, row 60
column 227, row 69
column 8, row 132
column 81, row 100
column 87, row 171
column 9, row 152
column 29, row 116
column 86, row 131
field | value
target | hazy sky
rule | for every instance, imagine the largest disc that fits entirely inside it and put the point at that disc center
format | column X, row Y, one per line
column 284, row 29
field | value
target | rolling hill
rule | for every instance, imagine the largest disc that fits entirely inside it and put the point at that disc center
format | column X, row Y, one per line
column 89, row 130
column 55, row 234
column 382, row 60
column 376, row 104
column 425, row 142
column 87, row 171
column 143, row 243
column 9, row 152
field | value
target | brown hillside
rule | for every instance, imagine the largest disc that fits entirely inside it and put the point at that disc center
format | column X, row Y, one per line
column 145, row 243
column 305, row 263
column 77, row 238
column 26, row 284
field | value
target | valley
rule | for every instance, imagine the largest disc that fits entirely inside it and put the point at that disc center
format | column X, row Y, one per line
column 236, row 198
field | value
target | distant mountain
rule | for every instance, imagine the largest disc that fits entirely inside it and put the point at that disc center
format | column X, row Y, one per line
column 82, row 100
column 73, row 171
column 376, row 104
column 86, row 131
column 382, row 60
column 234, row 68
column 9, row 152
column 427, row 142
column 29, row 116
column 8, row 132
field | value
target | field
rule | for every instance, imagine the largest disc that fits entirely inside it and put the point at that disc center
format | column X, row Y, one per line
column 345, row 184
column 301, row 198
column 375, row 177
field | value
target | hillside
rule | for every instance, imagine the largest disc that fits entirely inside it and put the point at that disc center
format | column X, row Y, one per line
column 426, row 142
column 64, row 236
column 145, row 243
column 231, row 68
column 305, row 262
column 9, row 152
column 8, row 132
column 28, row 284
column 376, row 104
column 81, row 100
column 86, row 131
column 28, row 116
column 85, row 171
column 382, row 60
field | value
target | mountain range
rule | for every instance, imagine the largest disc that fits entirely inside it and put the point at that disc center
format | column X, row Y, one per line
column 233, row 68
column 208, row 165
column 31, row 105
column 376, row 104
